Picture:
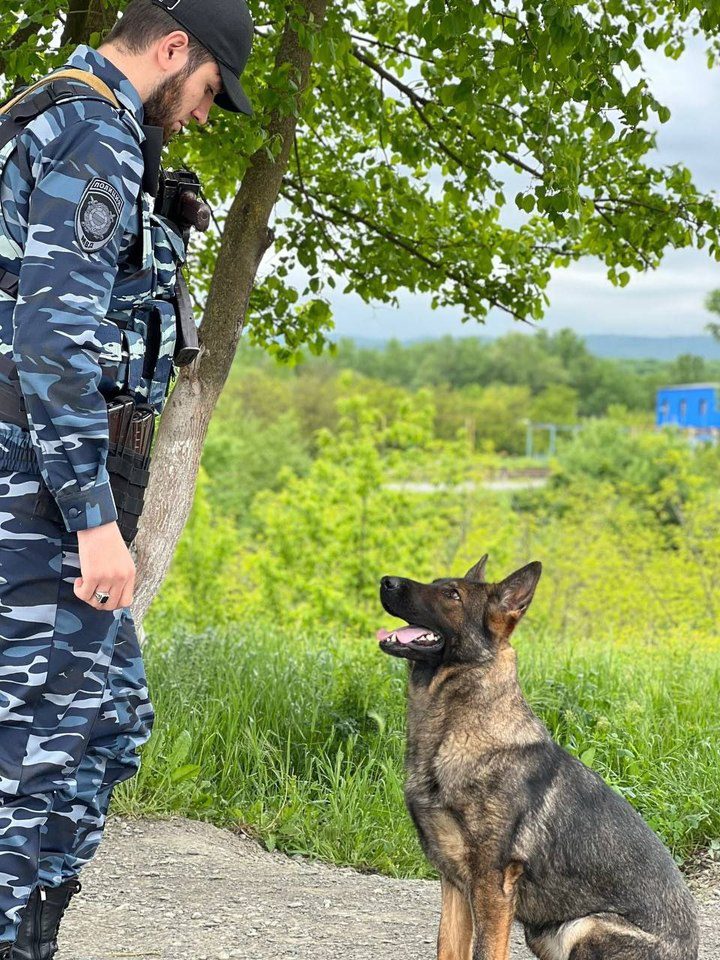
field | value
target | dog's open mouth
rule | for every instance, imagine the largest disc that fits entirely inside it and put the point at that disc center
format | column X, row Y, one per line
column 414, row 637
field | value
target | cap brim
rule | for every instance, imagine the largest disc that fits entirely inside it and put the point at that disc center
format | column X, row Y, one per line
column 233, row 96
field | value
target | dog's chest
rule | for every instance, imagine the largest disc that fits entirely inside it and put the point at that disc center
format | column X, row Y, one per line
column 445, row 745
column 446, row 797
column 446, row 768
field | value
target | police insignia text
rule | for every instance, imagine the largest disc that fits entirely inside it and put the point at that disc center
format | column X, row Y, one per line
column 97, row 215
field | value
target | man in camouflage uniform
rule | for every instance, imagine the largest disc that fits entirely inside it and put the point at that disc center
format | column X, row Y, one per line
column 81, row 257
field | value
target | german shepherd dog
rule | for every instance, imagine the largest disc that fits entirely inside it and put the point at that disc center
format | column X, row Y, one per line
column 517, row 827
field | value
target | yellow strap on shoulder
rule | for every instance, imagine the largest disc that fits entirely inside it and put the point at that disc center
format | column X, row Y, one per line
column 84, row 76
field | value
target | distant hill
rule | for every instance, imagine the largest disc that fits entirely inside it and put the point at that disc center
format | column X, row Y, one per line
column 607, row 345
column 651, row 348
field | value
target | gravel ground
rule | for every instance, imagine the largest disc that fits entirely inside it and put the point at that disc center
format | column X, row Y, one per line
column 189, row 891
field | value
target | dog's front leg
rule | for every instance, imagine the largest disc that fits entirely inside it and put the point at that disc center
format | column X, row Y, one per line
column 455, row 936
column 493, row 910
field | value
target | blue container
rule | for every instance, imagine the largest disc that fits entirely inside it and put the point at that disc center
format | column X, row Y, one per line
column 689, row 406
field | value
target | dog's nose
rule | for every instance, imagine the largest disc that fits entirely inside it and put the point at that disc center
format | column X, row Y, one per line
column 391, row 583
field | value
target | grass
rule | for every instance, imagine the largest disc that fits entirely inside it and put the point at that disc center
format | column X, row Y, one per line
column 301, row 739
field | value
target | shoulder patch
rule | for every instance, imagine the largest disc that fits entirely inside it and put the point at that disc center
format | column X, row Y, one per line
column 97, row 215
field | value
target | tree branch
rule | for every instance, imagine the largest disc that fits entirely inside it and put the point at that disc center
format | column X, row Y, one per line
column 419, row 102
column 600, row 202
column 395, row 49
column 629, row 243
column 404, row 244
column 412, row 95
column 313, row 210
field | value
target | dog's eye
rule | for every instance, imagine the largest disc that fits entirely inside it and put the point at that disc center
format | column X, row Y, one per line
column 452, row 594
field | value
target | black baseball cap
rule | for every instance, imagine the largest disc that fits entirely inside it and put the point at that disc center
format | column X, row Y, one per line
column 225, row 28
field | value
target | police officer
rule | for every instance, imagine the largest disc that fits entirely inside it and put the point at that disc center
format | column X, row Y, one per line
column 87, row 272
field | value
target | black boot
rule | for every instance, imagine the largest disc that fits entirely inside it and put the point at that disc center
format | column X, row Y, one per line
column 37, row 936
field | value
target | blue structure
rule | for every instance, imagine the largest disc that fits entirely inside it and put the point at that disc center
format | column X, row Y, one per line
column 690, row 406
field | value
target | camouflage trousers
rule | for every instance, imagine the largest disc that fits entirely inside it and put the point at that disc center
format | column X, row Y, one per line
column 74, row 704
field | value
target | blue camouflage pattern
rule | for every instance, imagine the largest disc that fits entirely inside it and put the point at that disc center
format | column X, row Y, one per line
column 74, row 704
column 67, row 347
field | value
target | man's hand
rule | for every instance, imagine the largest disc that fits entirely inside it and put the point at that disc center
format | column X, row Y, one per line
column 105, row 566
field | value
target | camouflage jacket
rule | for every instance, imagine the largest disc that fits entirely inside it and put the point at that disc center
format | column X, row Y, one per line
column 78, row 231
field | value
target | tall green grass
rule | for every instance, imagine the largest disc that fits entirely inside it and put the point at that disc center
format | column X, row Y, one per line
column 301, row 739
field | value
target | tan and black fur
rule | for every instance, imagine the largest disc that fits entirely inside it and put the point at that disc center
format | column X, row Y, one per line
column 516, row 826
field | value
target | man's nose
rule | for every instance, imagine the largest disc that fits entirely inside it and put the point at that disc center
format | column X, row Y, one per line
column 201, row 114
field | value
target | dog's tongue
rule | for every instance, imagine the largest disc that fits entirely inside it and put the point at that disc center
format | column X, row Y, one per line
column 404, row 634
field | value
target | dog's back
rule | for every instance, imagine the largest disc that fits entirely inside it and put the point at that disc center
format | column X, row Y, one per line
column 588, row 852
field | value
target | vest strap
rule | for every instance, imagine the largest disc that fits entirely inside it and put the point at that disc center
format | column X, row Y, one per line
column 9, row 281
column 83, row 76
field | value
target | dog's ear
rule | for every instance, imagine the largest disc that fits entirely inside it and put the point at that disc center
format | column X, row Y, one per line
column 477, row 573
column 513, row 596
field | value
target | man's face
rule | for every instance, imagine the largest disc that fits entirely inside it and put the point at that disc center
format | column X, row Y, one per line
column 182, row 98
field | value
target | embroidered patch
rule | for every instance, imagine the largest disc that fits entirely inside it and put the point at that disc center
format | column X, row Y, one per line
column 97, row 215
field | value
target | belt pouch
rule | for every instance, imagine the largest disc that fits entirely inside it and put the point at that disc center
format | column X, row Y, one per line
column 130, row 430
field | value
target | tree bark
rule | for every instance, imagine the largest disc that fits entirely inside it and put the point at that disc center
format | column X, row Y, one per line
column 185, row 422
column 85, row 17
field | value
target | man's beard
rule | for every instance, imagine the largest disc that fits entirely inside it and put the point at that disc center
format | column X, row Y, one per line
column 162, row 104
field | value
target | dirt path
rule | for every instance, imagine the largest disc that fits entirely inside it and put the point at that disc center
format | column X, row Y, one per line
column 188, row 891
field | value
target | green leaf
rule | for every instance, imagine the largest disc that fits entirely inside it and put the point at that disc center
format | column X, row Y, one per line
column 189, row 771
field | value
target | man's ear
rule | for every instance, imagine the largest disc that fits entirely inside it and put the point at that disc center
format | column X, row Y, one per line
column 477, row 573
column 513, row 596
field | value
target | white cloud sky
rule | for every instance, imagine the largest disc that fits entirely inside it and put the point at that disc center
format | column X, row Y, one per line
column 665, row 303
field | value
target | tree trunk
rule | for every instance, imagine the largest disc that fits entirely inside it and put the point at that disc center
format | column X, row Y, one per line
column 85, row 17
column 184, row 423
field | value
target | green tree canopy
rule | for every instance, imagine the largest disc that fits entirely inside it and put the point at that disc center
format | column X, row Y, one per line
column 456, row 148
column 418, row 119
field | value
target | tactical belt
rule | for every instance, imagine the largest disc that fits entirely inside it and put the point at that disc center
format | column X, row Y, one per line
column 130, row 431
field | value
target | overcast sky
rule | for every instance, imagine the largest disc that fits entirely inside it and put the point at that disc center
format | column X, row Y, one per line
column 665, row 303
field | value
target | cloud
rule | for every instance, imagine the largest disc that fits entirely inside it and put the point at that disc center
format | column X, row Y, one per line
column 666, row 302
column 692, row 92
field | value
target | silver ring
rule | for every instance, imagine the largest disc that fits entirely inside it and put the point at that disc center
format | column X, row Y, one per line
column 102, row 597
